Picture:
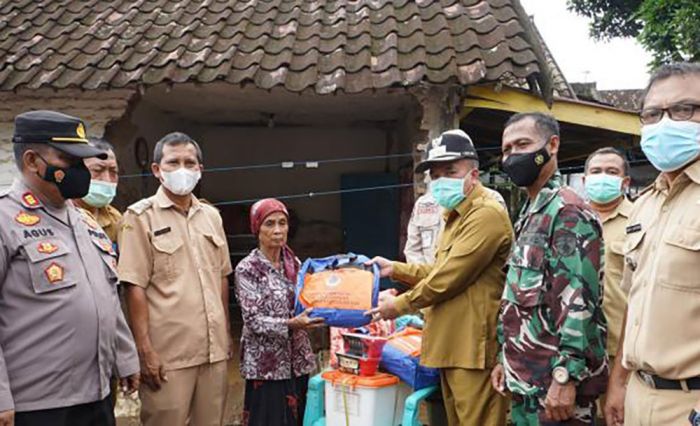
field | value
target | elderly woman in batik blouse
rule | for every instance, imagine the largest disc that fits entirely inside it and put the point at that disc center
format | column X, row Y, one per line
column 276, row 354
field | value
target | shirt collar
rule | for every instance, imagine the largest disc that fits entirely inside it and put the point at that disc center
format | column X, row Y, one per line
column 164, row 202
column 623, row 209
column 260, row 258
column 466, row 204
column 85, row 206
column 546, row 194
column 22, row 193
column 693, row 171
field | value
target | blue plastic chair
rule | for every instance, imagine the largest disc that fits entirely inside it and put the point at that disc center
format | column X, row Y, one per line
column 315, row 404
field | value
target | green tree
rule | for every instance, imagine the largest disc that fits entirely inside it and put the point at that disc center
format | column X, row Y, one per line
column 669, row 29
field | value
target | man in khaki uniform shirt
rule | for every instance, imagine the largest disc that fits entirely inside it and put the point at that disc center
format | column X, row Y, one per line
column 103, row 189
column 606, row 181
column 175, row 259
column 462, row 289
column 661, row 342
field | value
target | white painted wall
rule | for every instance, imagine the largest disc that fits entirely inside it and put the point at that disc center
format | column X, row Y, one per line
column 96, row 108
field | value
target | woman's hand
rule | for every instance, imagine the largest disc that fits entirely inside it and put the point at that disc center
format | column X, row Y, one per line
column 303, row 321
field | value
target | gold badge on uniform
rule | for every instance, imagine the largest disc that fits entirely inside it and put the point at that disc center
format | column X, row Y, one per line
column 59, row 175
column 80, row 131
column 539, row 159
column 54, row 273
column 27, row 219
column 29, row 200
column 47, row 248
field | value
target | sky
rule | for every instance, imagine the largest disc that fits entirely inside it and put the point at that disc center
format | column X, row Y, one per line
column 617, row 64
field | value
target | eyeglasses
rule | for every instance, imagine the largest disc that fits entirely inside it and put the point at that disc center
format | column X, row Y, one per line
column 677, row 112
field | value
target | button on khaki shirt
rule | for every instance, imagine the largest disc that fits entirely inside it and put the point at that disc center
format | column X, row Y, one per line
column 180, row 261
column 614, row 299
column 662, row 274
column 462, row 289
column 62, row 331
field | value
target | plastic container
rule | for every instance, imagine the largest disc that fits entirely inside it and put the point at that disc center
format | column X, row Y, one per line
column 360, row 401
column 353, row 364
column 403, row 391
column 363, row 345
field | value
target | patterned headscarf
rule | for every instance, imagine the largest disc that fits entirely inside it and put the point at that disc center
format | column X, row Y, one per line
column 258, row 213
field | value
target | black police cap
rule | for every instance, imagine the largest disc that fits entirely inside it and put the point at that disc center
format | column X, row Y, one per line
column 63, row 132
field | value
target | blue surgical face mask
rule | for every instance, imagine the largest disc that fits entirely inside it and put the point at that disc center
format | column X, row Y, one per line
column 448, row 192
column 670, row 145
column 100, row 194
column 603, row 188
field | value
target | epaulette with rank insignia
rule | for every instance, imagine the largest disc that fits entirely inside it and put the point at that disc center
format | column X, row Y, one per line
column 141, row 206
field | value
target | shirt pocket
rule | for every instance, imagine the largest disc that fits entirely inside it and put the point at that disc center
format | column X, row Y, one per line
column 428, row 236
column 50, row 265
column 167, row 260
column 631, row 250
column 680, row 259
column 618, row 247
column 213, row 246
column 525, row 278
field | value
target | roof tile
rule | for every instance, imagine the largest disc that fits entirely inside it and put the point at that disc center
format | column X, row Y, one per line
column 319, row 45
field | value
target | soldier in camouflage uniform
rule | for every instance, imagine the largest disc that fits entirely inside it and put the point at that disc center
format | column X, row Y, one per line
column 551, row 328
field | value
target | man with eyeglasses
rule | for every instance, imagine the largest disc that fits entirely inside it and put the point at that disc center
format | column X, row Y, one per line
column 656, row 376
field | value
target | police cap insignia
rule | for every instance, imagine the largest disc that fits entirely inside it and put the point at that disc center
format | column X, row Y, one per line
column 80, row 131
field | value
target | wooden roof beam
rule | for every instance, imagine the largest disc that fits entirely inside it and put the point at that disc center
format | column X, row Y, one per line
column 571, row 111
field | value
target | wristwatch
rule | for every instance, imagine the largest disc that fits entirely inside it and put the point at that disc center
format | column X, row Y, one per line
column 560, row 375
column 694, row 418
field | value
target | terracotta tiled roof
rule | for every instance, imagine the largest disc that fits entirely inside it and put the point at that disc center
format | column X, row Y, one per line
column 349, row 45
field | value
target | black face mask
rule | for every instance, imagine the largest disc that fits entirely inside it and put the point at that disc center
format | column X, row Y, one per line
column 72, row 182
column 524, row 169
